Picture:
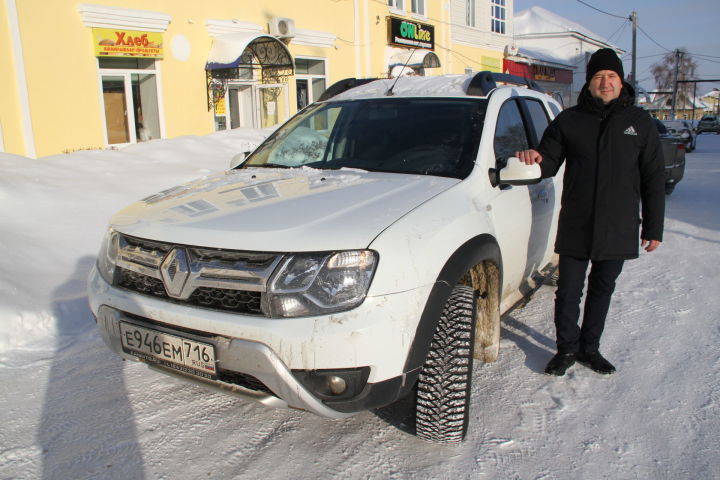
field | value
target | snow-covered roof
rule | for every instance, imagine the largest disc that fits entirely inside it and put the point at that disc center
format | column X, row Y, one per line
column 537, row 20
column 543, row 55
column 664, row 101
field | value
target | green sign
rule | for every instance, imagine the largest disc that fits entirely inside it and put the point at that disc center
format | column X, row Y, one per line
column 407, row 33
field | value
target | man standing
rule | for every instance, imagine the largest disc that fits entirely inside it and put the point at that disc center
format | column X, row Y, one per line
column 614, row 164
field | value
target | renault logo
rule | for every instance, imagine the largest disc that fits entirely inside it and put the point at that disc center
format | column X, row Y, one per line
column 175, row 270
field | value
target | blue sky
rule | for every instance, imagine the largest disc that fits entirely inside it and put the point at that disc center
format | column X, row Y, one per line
column 693, row 25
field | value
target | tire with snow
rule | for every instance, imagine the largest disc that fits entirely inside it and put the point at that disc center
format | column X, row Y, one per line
column 443, row 387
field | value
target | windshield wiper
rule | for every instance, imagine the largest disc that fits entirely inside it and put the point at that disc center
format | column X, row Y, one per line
column 269, row 165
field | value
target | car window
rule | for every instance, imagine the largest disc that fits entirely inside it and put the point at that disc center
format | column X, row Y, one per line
column 555, row 109
column 510, row 134
column 539, row 118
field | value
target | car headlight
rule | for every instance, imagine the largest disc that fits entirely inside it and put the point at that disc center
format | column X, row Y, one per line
column 107, row 256
column 319, row 283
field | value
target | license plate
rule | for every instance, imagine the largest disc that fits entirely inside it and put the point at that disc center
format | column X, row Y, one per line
column 168, row 350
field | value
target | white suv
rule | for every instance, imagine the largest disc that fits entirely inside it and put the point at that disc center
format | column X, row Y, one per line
column 363, row 253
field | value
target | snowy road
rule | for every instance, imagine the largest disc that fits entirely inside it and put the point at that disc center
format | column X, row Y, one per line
column 70, row 409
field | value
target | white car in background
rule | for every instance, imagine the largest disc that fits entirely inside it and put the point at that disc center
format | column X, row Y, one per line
column 363, row 253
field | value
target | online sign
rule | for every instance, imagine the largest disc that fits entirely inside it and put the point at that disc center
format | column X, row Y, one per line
column 412, row 34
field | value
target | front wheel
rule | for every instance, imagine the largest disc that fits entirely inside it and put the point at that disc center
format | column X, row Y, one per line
column 669, row 187
column 443, row 387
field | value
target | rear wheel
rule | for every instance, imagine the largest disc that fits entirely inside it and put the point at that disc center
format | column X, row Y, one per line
column 443, row 387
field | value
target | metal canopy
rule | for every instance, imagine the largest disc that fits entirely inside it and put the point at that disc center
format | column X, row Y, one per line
column 248, row 50
column 414, row 58
column 233, row 53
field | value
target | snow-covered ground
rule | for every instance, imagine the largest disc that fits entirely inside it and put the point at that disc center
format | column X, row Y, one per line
column 71, row 409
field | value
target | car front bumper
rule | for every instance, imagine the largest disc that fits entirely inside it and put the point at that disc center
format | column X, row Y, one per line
column 378, row 335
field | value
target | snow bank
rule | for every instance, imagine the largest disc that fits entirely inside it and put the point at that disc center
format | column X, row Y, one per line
column 55, row 210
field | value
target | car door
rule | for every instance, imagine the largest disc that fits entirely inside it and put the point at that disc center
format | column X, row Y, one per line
column 524, row 215
column 542, row 195
column 511, row 206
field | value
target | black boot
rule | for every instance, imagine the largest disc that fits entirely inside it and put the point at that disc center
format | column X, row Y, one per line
column 559, row 364
column 596, row 362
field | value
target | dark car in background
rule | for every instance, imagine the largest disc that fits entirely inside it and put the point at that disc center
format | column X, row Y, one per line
column 674, row 154
column 682, row 131
column 708, row 123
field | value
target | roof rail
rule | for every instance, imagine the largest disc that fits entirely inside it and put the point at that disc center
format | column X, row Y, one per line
column 343, row 85
column 483, row 82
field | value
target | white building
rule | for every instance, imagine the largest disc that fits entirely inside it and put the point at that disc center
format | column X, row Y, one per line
column 569, row 42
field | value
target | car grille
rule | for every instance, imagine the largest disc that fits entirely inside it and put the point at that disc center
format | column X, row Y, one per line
column 232, row 281
column 243, row 380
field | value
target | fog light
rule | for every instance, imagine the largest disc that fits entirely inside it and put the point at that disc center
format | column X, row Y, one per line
column 336, row 384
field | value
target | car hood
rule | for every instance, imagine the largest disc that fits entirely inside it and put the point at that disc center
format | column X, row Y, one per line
column 279, row 210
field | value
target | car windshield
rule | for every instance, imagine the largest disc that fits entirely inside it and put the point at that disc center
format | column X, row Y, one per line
column 399, row 135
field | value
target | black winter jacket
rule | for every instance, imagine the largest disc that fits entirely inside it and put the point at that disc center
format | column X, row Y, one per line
column 613, row 163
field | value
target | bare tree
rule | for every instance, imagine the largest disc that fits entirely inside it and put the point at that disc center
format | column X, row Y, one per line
column 664, row 73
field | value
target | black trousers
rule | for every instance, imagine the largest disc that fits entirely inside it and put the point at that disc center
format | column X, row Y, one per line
column 571, row 281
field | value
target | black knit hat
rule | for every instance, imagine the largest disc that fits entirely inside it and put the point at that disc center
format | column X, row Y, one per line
column 604, row 59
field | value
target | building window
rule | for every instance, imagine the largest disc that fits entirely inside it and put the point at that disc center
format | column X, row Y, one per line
column 497, row 16
column 470, row 13
column 418, row 7
column 398, row 4
column 310, row 80
column 130, row 99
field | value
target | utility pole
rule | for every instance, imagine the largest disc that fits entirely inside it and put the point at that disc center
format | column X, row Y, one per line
column 675, row 83
column 633, row 17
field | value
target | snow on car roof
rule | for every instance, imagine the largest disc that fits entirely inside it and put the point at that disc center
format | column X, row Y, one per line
column 440, row 86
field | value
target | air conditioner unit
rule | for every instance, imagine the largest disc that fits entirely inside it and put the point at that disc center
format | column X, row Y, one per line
column 511, row 50
column 282, row 27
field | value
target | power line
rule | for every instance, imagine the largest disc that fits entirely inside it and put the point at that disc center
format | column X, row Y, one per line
column 622, row 27
column 651, row 39
column 703, row 55
column 601, row 11
column 650, row 56
column 707, row 60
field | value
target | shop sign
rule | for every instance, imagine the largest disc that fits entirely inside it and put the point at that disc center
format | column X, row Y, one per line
column 220, row 106
column 111, row 42
column 410, row 34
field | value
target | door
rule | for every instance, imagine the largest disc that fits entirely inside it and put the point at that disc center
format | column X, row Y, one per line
column 272, row 100
column 242, row 106
column 116, row 109
column 542, row 195
column 131, row 106
column 511, row 208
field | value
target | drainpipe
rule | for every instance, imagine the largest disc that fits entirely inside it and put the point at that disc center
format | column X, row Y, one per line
column 20, row 79
column 368, row 54
column 356, row 38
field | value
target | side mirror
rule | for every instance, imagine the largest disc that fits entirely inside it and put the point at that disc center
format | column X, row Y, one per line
column 516, row 172
column 237, row 159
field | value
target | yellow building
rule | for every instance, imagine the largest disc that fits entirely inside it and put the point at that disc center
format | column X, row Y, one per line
column 106, row 74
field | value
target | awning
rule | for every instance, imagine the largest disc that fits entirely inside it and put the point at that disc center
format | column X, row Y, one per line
column 235, row 50
column 414, row 58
